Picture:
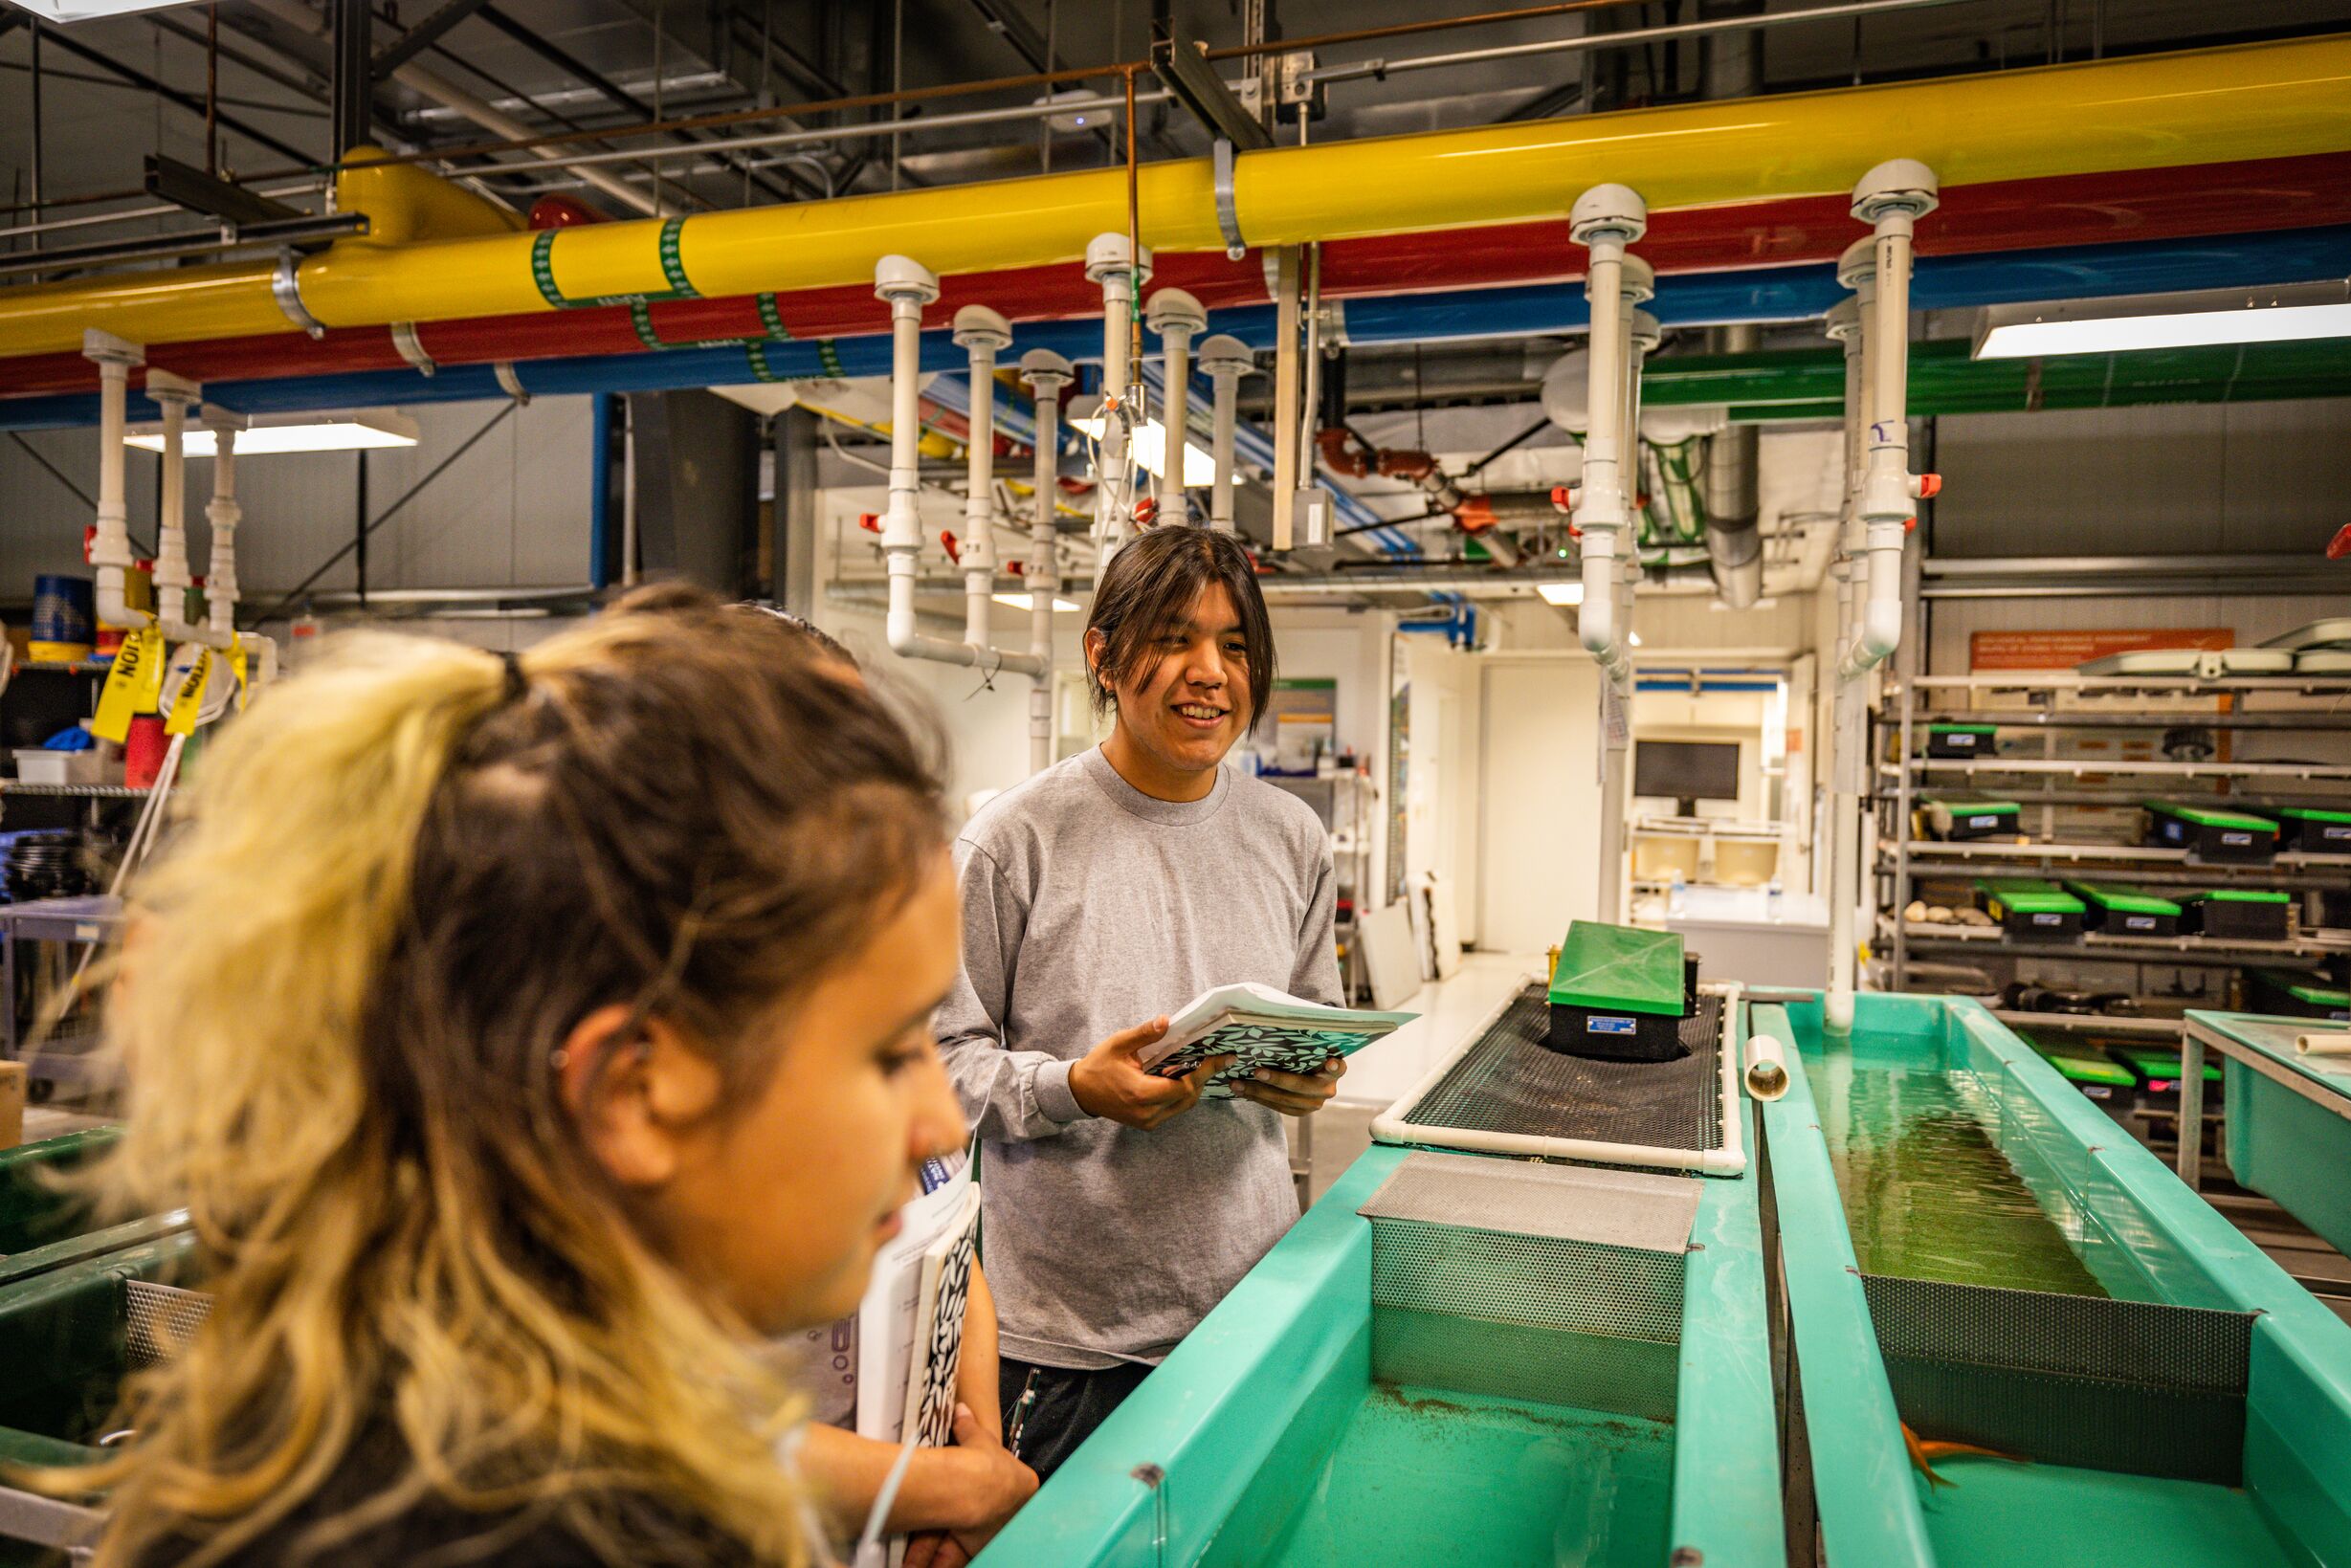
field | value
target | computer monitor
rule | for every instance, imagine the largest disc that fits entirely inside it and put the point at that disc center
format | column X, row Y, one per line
column 1690, row 771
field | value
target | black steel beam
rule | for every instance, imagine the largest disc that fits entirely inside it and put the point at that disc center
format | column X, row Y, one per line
column 183, row 185
column 422, row 36
column 1176, row 59
column 297, row 231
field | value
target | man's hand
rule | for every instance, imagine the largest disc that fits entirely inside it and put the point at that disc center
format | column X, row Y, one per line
column 1107, row 1082
column 1292, row 1093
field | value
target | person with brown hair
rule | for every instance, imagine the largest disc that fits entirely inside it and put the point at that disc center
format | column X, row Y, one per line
column 1100, row 896
column 531, row 1040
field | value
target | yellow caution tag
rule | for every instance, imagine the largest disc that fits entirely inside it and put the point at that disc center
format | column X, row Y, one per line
column 133, row 686
column 187, row 703
column 236, row 668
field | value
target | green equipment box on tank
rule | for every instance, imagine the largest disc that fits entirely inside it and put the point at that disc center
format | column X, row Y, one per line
column 1619, row 994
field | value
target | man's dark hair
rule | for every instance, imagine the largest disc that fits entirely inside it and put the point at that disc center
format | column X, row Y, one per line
column 1150, row 588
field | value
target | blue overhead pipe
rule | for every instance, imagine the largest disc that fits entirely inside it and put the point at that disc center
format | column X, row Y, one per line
column 1770, row 293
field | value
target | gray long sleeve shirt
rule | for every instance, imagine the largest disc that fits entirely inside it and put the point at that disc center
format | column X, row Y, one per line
column 1090, row 907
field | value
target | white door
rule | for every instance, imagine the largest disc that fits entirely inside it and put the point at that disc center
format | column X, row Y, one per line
column 1441, row 782
column 1538, row 838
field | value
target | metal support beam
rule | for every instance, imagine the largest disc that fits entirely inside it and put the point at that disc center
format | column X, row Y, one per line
column 59, row 38
column 354, row 77
column 183, row 185
column 1178, row 61
column 422, row 35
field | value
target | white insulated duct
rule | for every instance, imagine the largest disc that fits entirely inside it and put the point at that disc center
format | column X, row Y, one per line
column 1225, row 360
column 1047, row 373
column 907, row 285
column 1891, row 198
column 1604, row 220
column 1177, row 318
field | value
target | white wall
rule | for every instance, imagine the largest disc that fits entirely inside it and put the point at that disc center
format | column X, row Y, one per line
column 1444, row 789
column 1539, row 834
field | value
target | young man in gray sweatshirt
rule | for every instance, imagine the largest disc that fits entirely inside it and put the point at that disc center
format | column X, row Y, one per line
column 1100, row 896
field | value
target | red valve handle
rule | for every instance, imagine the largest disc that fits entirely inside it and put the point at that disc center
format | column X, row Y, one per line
column 1145, row 511
column 947, row 539
column 870, row 521
column 1930, row 486
column 2340, row 545
column 1018, row 569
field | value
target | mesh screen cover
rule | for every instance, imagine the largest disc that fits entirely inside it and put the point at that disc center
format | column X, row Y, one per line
column 2131, row 1387
column 1564, row 1202
column 158, row 1320
column 1511, row 1082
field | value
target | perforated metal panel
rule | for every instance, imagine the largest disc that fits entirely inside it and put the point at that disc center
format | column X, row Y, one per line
column 158, row 1320
column 1511, row 1082
column 1561, row 1284
column 2134, row 1386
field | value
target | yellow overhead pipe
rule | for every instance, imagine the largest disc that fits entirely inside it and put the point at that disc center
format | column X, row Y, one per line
column 2252, row 101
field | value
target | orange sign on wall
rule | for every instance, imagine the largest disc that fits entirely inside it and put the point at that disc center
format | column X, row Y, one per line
column 1991, row 652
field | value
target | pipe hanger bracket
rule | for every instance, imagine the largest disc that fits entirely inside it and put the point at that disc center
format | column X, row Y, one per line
column 286, row 288
column 1228, row 204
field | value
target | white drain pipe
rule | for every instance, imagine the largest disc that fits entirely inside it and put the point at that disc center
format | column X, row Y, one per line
column 110, row 551
column 1177, row 318
column 1605, row 219
column 1047, row 373
column 907, row 285
column 1848, row 743
column 1225, row 360
column 1111, row 264
column 224, row 513
column 1891, row 198
column 175, row 395
column 980, row 333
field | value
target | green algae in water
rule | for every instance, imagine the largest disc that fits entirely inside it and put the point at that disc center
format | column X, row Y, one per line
column 1927, row 1193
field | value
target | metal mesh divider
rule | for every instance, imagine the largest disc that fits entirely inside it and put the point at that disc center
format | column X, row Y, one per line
column 2131, row 1387
column 1556, row 1317
column 158, row 1320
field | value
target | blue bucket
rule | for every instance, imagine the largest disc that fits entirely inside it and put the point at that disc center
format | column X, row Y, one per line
column 64, row 617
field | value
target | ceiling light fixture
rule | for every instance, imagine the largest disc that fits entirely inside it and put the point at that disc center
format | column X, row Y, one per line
column 1566, row 595
column 1147, row 445
column 2198, row 320
column 269, row 437
column 1022, row 601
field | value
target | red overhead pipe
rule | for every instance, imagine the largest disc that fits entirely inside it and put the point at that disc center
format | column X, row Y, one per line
column 2011, row 214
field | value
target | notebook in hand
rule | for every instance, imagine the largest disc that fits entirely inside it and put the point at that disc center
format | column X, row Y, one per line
column 1261, row 1027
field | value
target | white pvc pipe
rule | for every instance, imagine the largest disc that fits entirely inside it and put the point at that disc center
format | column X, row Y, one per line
column 1605, row 218
column 1111, row 265
column 1176, row 317
column 223, row 514
column 173, row 576
column 110, row 551
column 1766, row 1071
column 1047, row 374
column 907, row 285
column 1225, row 360
column 1727, row 1161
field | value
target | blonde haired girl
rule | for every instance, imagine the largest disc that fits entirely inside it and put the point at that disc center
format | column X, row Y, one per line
column 526, row 1039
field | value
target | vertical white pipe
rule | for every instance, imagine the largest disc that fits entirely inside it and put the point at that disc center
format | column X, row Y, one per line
column 1176, row 317
column 1113, row 267
column 1605, row 219
column 1225, row 360
column 174, row 394
column 980, row 332
column 907, row 286
column 110, row 552
column 223, row 514
column 1891, row 198
column 1047, row 373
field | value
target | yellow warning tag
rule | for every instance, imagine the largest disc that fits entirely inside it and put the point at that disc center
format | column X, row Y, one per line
column 135, row 683
column 236, row 668
column 187, row 703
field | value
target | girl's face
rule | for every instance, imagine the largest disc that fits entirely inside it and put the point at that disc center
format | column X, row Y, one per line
column 778, row 1208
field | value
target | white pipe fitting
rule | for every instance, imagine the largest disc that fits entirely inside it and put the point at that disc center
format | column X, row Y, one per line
column 1605, row 219
column 1225, row 360
column 907, row 286
column 175, row 395
column 1112, row 265
column 1767, row 1068
column 1177, row 318
column 110, row 551
column 1047, row 373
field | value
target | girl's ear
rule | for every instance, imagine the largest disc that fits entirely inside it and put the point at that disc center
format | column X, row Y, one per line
column 634, row 1099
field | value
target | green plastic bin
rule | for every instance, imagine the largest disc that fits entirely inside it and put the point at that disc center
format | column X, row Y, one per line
column 1618, row 993
column 2240, row 914
column 2030, row 910
column 1961, row 820
column 2313, row 830
column 2210, row 833
column 2121, row 911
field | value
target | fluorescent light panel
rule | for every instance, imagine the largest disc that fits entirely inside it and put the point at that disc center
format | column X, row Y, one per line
column 1022, row 601
column 1567, row 595
column 1148, row 445
column 2156, row 322
column 264, row 440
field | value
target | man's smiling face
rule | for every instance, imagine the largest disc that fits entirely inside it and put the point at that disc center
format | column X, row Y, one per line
column 1188, row 700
